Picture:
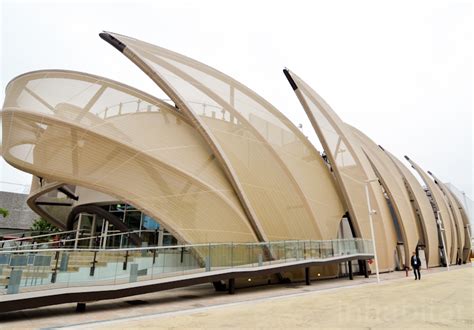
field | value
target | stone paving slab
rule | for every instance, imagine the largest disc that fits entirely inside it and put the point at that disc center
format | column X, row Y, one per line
column 440, row 299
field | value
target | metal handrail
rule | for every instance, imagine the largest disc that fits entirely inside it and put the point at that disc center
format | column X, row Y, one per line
column 39, row 236
column 189, row 246
column 49, row 269
column 68, row 240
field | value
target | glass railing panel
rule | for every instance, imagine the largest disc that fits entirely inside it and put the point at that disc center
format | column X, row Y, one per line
column 36, row 271
column 260, row 252
column 140, row 266
column 105, row 267
column 192, row 261
column 64, row 268
column 220, row 256
column 240, row 255
column 346, row 247
column 25, row 271
column 353, row 246
column 169, row 261
column 289, row 251
column 338, row 247
column 328, row 249
column 73, row 268
column 56, row 268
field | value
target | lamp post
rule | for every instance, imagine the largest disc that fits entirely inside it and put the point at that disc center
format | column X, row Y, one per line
column 372, row 226
column 441, row 229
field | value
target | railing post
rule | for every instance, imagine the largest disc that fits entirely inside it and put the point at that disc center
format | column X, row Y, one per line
column 155, row 239
column 126, row 261
column 231, row 255
column 104, row 242
column 101, row 233
column 94, row 261
column 55, row 269
column 154, row 256
column 93, row 231
column 77, row 231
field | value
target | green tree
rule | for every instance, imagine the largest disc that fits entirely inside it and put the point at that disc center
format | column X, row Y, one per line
column 41, row 226
column 4, row 212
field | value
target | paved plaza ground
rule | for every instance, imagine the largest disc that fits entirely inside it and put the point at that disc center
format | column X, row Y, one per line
column 440, row 299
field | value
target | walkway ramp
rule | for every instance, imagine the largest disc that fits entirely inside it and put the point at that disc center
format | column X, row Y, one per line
column 157, row 268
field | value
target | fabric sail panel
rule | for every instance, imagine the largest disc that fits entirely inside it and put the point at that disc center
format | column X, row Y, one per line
column 465, row 225
column 423, row 210
column 280, row 174
column 90, row 131
column 352, row 170
column 455, row 213
column 441, row 206
column 396, row 190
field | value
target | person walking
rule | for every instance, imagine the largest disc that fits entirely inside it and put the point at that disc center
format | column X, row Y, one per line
column 416, row 264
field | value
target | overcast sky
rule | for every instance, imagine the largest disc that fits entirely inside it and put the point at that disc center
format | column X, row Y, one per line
column 399, row 71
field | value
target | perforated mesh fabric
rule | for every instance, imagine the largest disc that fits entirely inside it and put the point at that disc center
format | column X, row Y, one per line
column 465, row 224
column 442, row 207
column 93, row 132
column 396, row 190
column 282, row 180
column 352, row 169
column 456, row 215
column 425, row 212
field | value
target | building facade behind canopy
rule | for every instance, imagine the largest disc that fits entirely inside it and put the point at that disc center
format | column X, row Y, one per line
column 217, row 164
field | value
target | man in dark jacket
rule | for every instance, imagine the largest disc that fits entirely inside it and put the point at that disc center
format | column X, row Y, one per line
column 416, row 264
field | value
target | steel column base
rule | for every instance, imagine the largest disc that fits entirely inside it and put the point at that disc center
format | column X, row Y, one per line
column 231, row 285
column 81, row 307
